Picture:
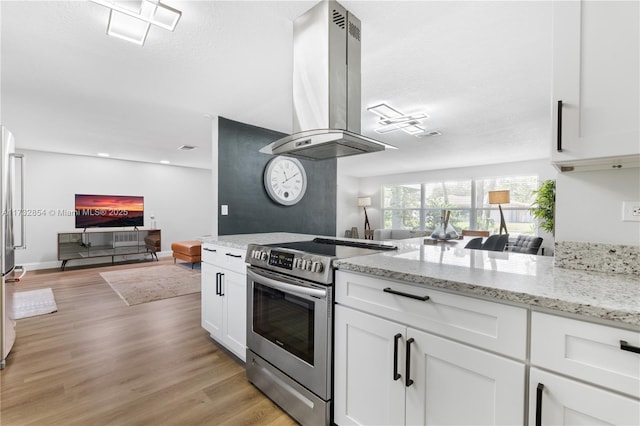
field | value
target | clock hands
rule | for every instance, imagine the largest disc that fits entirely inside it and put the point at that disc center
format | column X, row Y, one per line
column 289, row 178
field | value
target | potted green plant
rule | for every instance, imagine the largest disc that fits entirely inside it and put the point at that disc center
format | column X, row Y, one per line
column 543, row 206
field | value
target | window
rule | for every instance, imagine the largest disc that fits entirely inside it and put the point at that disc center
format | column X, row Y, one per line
column 402, row 206
column 419, row 206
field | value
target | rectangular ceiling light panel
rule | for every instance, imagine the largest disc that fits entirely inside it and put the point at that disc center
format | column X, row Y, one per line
column 149, row 11
column 396, row 126
column 385, row 111
column 127, row 28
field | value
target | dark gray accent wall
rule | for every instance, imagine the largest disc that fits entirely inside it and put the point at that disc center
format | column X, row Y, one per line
column 240, row 186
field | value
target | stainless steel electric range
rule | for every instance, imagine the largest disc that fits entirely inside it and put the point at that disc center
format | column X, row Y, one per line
column 290, row 322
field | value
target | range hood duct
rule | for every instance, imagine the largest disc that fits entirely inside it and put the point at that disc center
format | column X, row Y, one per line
column 326, row 87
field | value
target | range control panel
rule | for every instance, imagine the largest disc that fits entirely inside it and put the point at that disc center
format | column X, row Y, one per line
column 292, row 262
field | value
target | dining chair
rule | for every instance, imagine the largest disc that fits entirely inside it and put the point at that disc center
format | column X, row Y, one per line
column 495, row 242
column 475, row 243
column 526, row 244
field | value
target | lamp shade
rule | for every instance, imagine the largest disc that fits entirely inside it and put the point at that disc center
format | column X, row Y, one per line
column 499, row 197
column 364, row 201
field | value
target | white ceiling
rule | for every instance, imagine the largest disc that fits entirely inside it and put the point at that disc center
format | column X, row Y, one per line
column 481, row 70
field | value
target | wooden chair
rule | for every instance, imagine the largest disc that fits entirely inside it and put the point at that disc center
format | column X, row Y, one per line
column 474, row 233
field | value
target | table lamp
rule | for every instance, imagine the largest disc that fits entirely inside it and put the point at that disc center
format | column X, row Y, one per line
column 500, row 197
column 365, row 202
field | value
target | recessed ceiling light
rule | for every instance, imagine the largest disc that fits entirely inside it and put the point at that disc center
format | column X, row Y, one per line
column 103, row 154
column 165, row 162
column 187, row 147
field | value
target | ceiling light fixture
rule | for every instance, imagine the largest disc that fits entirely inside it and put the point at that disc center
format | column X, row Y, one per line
column 103, row 154
column 391, row 119
column 165, row 162
column 131, row 20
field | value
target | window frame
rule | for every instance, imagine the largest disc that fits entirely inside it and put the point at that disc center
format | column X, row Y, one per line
column 474, row 211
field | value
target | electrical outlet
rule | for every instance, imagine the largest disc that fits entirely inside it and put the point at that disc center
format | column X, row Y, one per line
column 631, row 211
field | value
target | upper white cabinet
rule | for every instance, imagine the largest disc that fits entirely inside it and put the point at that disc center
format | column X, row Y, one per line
column 596, row 112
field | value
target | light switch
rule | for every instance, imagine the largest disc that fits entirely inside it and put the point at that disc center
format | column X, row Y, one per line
column 631, row 211
column 224, row 210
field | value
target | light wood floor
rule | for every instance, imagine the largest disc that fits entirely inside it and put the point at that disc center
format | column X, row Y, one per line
column 98, row 361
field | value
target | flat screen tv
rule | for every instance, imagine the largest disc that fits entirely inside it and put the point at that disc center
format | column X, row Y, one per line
column 98, row 211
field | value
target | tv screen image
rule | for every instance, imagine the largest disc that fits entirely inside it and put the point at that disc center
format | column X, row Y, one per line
column 97, row 211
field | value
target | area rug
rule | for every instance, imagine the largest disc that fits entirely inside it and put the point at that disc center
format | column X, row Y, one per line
column 32, row 303
column 142, row 285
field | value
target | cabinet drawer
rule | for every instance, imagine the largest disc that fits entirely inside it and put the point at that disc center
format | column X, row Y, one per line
column 562, row 401
column 224, row 257
column 210, row 253
column 493, row 326
column 588, row 351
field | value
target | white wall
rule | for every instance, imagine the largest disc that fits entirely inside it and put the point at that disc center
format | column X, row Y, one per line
column 179, row 197
column 350, row 215
column 589, row 206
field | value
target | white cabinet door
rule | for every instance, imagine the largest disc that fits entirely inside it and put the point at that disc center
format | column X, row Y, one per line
column 366, row 391
column 211, row 303
column 595, row 75
column 561, row 401
column 234, row 295
column 455, row 384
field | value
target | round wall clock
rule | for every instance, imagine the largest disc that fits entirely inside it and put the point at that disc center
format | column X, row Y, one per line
column 285, row 180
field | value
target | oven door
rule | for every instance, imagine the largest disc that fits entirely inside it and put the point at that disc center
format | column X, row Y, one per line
column 288, row 325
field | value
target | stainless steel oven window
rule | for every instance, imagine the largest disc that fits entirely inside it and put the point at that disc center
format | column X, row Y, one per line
column 285, row 319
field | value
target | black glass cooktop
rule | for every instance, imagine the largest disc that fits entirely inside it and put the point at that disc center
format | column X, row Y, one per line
column 335, row 248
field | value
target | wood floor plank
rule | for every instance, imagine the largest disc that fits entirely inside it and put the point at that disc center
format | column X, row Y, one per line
column 98, row 361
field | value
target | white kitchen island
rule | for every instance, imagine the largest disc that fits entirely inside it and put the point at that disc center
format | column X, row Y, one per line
column 445, row 335
column 499, row 335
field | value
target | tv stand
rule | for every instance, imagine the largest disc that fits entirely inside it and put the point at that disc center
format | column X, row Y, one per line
column 104, row 243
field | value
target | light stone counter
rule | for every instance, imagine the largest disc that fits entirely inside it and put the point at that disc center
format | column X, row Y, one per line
column 513, row 277
column 241, row 241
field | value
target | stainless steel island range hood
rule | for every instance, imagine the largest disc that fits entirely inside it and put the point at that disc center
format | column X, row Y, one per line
column 326, row 87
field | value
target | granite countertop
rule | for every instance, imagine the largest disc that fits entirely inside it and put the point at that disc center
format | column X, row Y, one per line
column 512, row 277
column 241, row 241
column 503, row 276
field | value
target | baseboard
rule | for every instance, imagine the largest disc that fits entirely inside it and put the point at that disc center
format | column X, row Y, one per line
column 53, row 264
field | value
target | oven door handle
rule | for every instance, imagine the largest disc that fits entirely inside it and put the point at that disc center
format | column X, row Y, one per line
column 283, row 286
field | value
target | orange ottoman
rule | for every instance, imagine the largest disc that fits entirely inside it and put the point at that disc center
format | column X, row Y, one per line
column 189, row 251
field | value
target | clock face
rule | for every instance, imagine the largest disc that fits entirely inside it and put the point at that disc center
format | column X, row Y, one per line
column 285, row 180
